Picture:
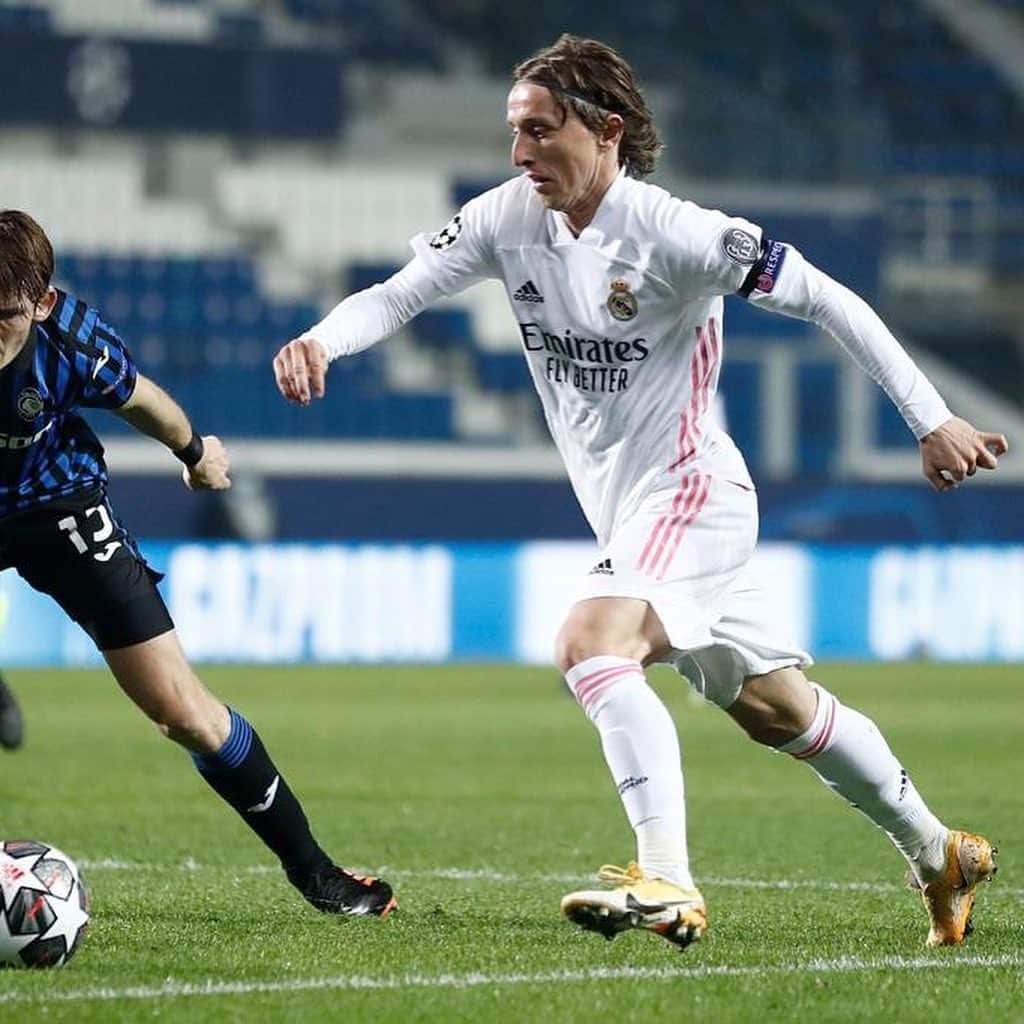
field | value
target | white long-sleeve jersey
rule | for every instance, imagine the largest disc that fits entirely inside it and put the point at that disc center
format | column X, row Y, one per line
column 622, row 327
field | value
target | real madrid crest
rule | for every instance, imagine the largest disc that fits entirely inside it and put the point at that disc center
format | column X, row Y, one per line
column 621, row 301
column 30, row 404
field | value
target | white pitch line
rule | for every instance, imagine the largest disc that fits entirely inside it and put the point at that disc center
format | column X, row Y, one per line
column 489, row 875
column 177, row 989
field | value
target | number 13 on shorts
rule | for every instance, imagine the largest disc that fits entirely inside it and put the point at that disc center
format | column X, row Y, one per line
column 101, row 535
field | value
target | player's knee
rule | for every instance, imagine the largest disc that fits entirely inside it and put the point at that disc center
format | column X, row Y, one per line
column 576, row 645
column 569, row 648
column 605, row 627
column 567, row 652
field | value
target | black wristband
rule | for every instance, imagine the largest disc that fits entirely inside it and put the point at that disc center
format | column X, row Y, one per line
column 192, row 452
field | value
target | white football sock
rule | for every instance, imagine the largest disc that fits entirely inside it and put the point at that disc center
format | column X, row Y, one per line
column 851, row 756
column 641, row 748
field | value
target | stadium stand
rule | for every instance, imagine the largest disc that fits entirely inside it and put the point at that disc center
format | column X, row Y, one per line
column 208, row 258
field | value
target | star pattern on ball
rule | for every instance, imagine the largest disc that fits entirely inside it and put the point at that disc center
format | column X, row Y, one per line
column 72, row 918
column 15, row 875
column 16, row 872
column 43, row 904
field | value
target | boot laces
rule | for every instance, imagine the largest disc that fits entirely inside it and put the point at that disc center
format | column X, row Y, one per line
column 629, row 875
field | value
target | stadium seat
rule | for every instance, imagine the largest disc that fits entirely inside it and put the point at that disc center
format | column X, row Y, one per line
column 445, row 329
column 502, row 371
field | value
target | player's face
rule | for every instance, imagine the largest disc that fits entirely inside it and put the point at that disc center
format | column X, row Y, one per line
column 570, row 166
column 16, row 319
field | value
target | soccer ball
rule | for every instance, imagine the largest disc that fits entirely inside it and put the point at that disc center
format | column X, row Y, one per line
column 44, row 905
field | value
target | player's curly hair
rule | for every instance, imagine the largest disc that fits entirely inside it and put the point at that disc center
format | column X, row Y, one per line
column 594, row 80
column 26, row 258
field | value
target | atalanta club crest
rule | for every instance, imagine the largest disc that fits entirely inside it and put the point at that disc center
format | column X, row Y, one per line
column 30, row 404
column 621, row 301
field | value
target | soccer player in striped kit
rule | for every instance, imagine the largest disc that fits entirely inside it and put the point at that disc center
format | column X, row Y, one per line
column 58, row 530
column 617, row 290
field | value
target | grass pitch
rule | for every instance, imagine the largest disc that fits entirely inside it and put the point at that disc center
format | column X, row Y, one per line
column 481, row 794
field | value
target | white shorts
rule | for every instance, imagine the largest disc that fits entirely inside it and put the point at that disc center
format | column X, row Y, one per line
column 685, row 552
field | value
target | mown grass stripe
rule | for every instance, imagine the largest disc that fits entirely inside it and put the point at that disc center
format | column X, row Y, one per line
column 176, row 990
column 487, row 875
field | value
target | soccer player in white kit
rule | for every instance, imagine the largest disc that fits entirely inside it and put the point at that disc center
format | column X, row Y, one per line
column 617, row 290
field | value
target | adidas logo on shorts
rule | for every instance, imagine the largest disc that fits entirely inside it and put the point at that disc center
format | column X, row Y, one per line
column 603, row 568
column 528, row 293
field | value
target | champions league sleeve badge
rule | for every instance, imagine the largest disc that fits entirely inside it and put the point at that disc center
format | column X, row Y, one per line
column 621, row 301
column 740, row 246
column 445, row 238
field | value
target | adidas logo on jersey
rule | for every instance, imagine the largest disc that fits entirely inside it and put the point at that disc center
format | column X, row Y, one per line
column 603, row 568
column 528, row 293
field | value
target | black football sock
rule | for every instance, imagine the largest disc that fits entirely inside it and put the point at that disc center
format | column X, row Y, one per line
column 243, row 774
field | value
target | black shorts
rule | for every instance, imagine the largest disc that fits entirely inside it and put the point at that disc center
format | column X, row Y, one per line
column 76, row 551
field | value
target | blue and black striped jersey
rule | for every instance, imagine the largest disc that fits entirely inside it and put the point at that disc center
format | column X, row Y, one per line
column 47, row 450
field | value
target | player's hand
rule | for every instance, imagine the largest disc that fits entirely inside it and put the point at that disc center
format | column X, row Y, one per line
column 955, row 451
column 210, row 473
column 300, row 369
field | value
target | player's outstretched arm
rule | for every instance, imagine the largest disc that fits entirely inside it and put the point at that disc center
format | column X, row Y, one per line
column 153, row 412
column 951, row 448
column 357, row 322
column 955, row 451
column 300, row 369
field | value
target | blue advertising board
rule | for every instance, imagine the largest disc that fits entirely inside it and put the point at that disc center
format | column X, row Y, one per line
column 423, row 603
